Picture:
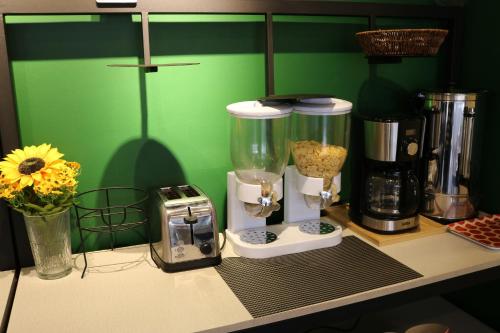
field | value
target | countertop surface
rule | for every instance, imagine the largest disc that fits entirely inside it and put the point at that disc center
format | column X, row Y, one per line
column 6, row 278
column 124, row 292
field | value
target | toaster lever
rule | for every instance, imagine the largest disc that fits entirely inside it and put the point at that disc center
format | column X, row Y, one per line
column 191, row 219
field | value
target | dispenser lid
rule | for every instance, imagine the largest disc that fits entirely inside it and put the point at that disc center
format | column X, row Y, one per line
column 259, row 110
column 322, row 106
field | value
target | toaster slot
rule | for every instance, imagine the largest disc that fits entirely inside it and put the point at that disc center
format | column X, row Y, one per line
column 170, row 193
column 188, row 191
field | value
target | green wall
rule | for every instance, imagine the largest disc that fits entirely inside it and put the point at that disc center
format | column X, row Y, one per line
column 127, row 127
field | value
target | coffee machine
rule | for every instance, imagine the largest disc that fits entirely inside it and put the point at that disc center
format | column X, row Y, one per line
column 386, row 191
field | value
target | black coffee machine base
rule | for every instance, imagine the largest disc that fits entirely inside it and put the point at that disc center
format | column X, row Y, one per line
column 445, row 221
column 389, row 226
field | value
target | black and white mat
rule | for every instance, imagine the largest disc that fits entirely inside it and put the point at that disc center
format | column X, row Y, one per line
column 267, row 286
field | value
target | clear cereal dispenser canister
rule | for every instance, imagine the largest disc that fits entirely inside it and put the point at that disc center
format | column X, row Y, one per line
column 320, row 140
column 259, row 151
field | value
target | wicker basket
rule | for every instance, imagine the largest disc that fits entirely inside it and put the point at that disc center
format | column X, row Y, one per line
column 401, row 42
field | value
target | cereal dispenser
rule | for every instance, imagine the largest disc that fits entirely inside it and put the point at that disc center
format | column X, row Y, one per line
column 319, row 144
column 259, row 153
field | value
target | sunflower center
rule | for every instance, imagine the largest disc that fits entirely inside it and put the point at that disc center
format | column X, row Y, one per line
column 31, row 165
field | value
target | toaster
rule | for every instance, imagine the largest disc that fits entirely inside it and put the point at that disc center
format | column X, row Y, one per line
column 188, row 234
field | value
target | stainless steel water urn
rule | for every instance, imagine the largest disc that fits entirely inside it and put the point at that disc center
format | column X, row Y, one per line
column 451, row 155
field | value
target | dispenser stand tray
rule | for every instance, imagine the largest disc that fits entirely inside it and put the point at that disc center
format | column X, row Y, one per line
column 285, row 238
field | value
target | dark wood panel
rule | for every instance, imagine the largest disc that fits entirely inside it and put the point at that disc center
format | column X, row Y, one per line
column 7, row 255
column 229, row 6
column 8, row 118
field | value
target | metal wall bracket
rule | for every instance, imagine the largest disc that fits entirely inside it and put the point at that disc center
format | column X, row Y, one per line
column 147, row 65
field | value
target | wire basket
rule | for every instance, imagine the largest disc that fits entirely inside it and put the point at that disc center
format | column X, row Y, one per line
column 113, row 210
column 401, row 42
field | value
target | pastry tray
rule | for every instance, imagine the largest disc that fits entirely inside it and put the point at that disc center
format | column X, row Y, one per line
column 484, row 230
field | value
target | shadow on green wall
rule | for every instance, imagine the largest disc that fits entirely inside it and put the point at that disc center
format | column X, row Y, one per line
column 380, row 96
column 317, row 38
column 184, row 38
column 72, row 40
column 140, row 163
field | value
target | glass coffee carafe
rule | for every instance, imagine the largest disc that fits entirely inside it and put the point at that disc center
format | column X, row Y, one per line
column 392, row 191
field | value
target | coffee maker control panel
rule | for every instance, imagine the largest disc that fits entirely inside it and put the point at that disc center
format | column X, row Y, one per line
column 409, row 132
column 412, row 148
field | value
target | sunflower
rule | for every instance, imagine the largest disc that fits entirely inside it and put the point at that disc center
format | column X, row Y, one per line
column 31, row 164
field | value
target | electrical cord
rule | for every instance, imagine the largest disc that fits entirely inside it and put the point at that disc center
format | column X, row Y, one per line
column 224, row 241
column 336, row 329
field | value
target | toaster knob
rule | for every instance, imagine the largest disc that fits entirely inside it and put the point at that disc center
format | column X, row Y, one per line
column 206, row 248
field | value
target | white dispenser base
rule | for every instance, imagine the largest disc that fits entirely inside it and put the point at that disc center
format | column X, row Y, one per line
column 296, row 185
column 244, row 230
column 290, row 240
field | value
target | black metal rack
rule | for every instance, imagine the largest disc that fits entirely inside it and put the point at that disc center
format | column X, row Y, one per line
column 9, row 132
column 111, row 218
column 9, row 127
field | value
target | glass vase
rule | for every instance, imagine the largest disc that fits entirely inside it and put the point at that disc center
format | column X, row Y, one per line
column 50, row 242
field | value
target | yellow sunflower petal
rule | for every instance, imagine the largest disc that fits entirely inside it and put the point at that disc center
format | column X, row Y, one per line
column 26, row 181
column 36, row 176
column 30, row 151
column 42, row 150
column 10, row 160
column 8, row 164
column 10, row 172
column 12, row 179
column 19, row 153
column 9, row 167
column 52, row 155
column 59, row 163
column 12, row 176
column 15, row 158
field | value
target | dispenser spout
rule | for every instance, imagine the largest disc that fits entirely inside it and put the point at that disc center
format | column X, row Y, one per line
column 325, row 198
column 267, row 202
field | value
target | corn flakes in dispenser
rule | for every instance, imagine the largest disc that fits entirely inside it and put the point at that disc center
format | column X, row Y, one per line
column 314, row 159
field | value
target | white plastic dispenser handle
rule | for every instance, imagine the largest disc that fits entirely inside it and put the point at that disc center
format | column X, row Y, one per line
column 250, row 193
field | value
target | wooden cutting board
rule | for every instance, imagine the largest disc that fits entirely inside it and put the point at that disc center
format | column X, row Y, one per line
column 426, row 228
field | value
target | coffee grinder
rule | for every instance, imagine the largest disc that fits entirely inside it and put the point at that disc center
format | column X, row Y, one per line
column 387, row 194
